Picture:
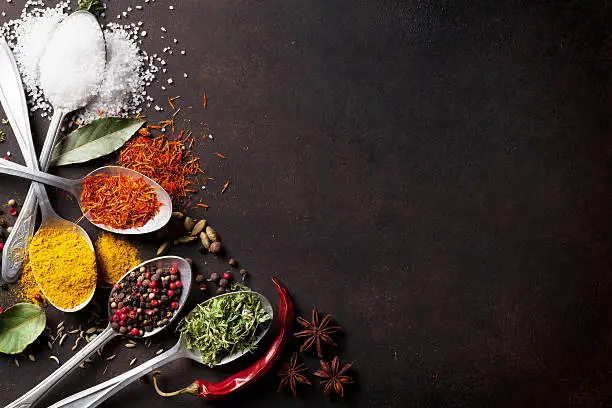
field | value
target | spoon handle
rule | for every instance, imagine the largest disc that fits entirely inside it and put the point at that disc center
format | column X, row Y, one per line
column 13, row 169
column 13, row 101
column 94, row 396
column 31, row 397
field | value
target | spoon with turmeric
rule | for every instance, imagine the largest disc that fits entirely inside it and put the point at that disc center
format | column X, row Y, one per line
column 172, row 265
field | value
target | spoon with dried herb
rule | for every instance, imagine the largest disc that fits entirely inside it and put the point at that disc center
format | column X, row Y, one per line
column 183, row 269
column 235, row 320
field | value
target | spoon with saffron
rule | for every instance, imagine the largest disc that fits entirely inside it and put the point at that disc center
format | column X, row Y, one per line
column 146, row 194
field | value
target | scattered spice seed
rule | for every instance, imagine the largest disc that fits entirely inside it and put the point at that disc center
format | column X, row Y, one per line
column 202, row 205
column 205, row 100
column 63, row 338
column 111, row 357
column 163, row 248
column 133, row 361
column 91, row 330
column 60, row 325
column 198, row 227
column 82, row 365
column 219, row 155
column 55, row 359
column 161, row 350
column 130, row 345
column 32, row 358
column 211, row 234
column 17, row 363
column 105, row 368
column 215, row 248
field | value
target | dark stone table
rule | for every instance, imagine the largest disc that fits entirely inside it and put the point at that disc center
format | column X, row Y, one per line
column 433, row 173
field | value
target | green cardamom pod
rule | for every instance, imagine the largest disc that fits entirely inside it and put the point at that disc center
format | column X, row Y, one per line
column 163, row 248
column 205, row 240
column 199, row 227
column 212, row 234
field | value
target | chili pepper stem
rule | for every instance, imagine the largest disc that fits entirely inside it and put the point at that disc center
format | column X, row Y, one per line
column 192, row 389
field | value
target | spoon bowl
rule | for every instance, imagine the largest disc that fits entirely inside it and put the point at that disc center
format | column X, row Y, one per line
column 53, row 221
column 96, row 395
column 195, row 355
column 37, row 392
column 76, row 188
column 184, row 270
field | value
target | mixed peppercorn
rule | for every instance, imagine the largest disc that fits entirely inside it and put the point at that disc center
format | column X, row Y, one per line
column 145, row 300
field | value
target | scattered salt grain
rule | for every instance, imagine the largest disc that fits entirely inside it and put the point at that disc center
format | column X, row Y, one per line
column 183, row 52
column 170, row 81
column 128, row 70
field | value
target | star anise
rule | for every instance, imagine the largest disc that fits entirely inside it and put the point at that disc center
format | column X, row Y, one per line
column 316, row 332
column 333, row 375
column 292, row 374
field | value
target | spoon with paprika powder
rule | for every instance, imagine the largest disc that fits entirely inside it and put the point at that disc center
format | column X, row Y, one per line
column 179, row 266
column 116, row 199
column 94, row 396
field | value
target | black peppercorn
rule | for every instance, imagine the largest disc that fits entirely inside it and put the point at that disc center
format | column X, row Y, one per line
column 224, row 283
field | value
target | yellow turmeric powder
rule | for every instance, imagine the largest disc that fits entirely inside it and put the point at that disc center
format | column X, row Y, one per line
column 115, row 257
column 64, row 266
column 28, row 288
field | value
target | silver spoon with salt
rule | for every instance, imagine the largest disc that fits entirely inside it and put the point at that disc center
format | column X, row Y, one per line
column 75, row 187
column 184, row 269
column 59, row 73
column 94, row 396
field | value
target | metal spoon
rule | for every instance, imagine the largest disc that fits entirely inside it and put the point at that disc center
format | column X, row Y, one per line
column 13, row 100
column 15, row 107
column 76, row 187
column 94, row 396
column 30, row 398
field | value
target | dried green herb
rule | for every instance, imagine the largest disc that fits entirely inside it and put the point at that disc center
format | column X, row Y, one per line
column 224, row 325
column 2, row 136
column 95, row 7
column 20, row 325
column 96, row 139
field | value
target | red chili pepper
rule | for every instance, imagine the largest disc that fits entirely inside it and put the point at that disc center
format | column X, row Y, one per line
column 209, row 391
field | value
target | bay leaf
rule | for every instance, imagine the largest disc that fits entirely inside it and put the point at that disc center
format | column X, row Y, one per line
column 20, row 325
column 96, row 139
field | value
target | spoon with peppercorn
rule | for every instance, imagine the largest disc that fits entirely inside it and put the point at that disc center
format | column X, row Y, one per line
column 155, row 290
column 116, row 199
column 94, row 396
